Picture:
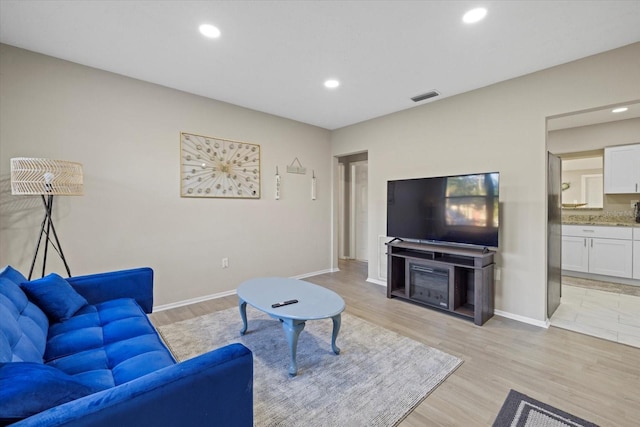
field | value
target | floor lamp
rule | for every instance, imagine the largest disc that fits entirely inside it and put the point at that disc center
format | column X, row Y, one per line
column 46, row 178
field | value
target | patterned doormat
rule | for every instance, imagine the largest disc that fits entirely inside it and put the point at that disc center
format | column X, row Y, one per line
column 519, row 410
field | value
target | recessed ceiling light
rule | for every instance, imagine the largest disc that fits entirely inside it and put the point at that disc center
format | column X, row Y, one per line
column 331, row 84
column 619, row 110
column 210, row 31
column 474, row 15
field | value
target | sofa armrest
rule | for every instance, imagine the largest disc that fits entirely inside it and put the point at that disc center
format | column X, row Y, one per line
column 215, row 388
column 134, row 283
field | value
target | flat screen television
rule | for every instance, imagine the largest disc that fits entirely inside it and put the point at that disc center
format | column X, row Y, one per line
column 461, row 209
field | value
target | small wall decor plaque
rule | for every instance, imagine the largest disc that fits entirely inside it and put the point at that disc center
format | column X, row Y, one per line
column 216, row 167
column 292, row 168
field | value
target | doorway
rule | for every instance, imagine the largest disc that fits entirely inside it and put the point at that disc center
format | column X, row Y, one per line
column 591, row 304
column 353, row 216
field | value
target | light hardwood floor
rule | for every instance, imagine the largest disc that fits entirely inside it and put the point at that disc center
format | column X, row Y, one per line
column 589, row 377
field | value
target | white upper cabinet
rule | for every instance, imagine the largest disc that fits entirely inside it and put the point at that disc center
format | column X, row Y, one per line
column 622, row 169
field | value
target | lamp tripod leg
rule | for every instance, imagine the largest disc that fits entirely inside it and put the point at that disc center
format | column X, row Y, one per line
column 35, row 255
column 64, row 260
column 48, row 223
column 48, row 208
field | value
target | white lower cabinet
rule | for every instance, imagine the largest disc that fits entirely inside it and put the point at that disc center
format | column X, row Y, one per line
column 575, row 254
column 598, row 250
column 611, row 257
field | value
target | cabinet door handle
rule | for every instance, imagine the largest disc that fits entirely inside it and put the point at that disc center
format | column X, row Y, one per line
column 585, row 243
column 589, row 231
column 591, row 242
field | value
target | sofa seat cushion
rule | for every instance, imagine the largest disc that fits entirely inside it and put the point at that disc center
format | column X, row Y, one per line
column 107, row 344
column 23, row 326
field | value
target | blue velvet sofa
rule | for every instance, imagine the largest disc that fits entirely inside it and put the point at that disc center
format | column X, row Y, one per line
column 82, row 352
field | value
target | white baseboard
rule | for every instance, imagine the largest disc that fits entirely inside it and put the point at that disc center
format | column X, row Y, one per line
column 316, row 273
column 377, row 282
column 193, row 301
column 227, row 293
column 528, row 320
column 523, row 319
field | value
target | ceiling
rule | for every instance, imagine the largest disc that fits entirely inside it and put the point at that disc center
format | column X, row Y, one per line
column 273, row 56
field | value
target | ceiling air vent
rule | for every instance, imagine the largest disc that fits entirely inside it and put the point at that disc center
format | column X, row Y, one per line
column 424, row 96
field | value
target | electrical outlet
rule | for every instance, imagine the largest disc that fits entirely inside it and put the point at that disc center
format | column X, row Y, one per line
column 225, row 262
column 496, row 274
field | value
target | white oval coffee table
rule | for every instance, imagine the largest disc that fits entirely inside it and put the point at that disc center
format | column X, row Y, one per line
column 313, row 302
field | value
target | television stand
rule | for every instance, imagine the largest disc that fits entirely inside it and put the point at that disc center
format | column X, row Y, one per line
column 455, row 280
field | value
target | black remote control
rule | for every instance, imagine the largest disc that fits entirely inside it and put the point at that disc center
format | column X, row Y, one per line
column 282, row 304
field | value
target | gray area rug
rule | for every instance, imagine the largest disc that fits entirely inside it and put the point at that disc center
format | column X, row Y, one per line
column 377, row 379
column 520, row 410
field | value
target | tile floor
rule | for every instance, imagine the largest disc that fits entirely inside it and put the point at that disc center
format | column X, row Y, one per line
column 608, row 315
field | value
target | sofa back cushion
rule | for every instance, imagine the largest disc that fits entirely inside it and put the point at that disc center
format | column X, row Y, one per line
column 23, row 326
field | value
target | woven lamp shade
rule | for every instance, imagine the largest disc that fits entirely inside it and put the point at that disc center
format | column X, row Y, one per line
column 31, row 176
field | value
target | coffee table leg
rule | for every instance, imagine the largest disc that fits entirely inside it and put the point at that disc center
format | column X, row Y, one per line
column 336, row 328
column 292, row 329
column 243, row 313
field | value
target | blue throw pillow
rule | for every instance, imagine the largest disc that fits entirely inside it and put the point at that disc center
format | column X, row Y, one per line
column 55, row 297
column 27, row 388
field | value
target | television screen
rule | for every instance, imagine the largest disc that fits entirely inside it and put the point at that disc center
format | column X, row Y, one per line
column 462, row 209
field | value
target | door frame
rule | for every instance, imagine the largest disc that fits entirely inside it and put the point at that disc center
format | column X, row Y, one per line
column 342, row 211
column 352, row 209
column 340, row 196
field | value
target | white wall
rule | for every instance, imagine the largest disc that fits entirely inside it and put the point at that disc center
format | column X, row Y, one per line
column 496, row 128
column 126, row 133
column 594, row 137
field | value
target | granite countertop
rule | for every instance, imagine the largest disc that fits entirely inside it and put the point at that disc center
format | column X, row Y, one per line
column 611, row 220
